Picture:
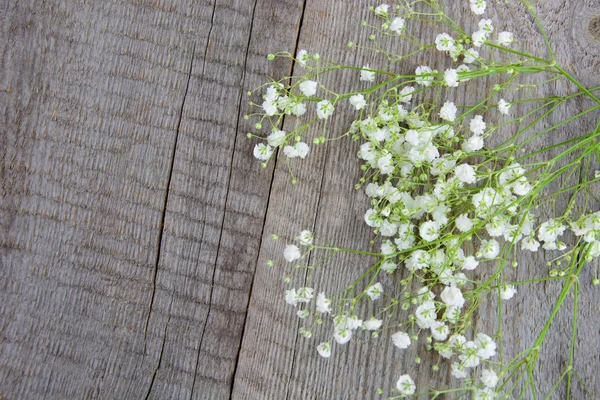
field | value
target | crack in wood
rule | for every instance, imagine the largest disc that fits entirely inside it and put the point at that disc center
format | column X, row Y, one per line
column 166, row 199
column 160, row 355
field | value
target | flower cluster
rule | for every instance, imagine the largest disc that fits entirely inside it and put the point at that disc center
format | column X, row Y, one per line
column 448, row 211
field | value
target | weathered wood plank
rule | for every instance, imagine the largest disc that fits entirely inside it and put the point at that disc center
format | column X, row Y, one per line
column 217, row 203
column 91, row 99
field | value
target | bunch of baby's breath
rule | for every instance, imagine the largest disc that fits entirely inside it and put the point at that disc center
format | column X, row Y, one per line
column 436, row 190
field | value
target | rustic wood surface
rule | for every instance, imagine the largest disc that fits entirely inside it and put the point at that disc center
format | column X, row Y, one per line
column 136, row 225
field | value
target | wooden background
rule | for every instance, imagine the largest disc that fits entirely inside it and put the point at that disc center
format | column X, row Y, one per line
column 135, row 223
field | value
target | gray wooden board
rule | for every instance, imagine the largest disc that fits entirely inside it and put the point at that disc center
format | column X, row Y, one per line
column 135, row 223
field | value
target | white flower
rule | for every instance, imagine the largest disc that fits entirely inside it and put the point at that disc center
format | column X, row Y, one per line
column 388, row 228
column 401, row 340
column 451, row 77
column 465, row 173
column 486, row 346
column 298, row 109
column 458, row 371
column 448, row 111
column 472, row 144
column 486, row 25
column 418, row 259
column 470, row 263
column 426, row 315
column 372, row 324
column 505, row 38
column 305, row 238
column 308, row 88
column 469, row 356
column 478, row 38
column 263, row 151
column 291, row 297
column 302, row 57
column 276, row 138
column 463, row 223
column 269, row 107
column 323, row 303
column 424, row 75
column 385, row 164
column 324, row 349
column 291, row 253
column 503, row 106
column 529, row 243
column 489, row 378
column 382, row 10
column 366, row 75
column 507, row 292
column 397, row 25
column 470, row 56
column 440, row 331
column 477, row 6
column 358, row 101
column 429, row 230
column 405, row 385
column 477, row 125
column 374, row 291
column 406, row 94
column 550, row 230
column 489, row 248
column 452, row 296
column 343, row 335
column 444, row 42
column 389, row 266
column 324, row 109
column 300, row 149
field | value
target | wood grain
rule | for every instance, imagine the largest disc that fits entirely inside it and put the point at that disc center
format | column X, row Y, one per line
column 135, row 224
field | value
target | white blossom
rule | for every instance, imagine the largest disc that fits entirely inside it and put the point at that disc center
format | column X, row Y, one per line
column 372, row 324
column 477, row 6
column 324, row 349
column 444, row 42
column 276, row 138
column 507, row 292
column 424, row 75
column 451, row 77
column 465, row 173
column 358, row 101
column 448, row 111
column 375, row 291
column 382, row 10
column 477, row 125
column 505, row 38
column 323, row 303
column 452, row 296
column 397, row 25
column 366, row 75
column 401, row 340
column 263, row 151
column 305, row 238
column 324, row 109
column 405, row 385
column 489, row 378
column 308, row 88
column 291, row 253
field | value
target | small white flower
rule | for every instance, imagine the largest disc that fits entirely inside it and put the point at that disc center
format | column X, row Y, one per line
column 486, row 25
column 440, row 331
column 397, row 25
column 478, row 38
column 505, row 38
column 324, row 109
column 489, row 378
column 302, row 57
column 276, row 138
column 358, row 101
column 451, row 77
column 489, row 248
column 401, row 340
column 448, row 111
column 405, row 385
column 382, row 10
column 429, row 230
column 300, row 149
column 465, row 173
column 372, row 324
column 374, row 291
column 470, row 263
column 343, row 335
column 444, row 42
column 389, row 266
column 366, row 75
column 458, row 371
column 305, row 238
column 323, row 303
column 503, row 106
column 477, row 6
column 263, row 151
column 406, row 94
column 472, row 144
column 463, row 223
column 477, row 125
column 291, row 253
column 470, row 56
column 324, row 349
column 308, row 88
column 529, row 243
column 507, row 292
column 486, row 346
column 291, row 297
column 305, row 294
column 424, row 75
column 452, row 296
column 269, row 107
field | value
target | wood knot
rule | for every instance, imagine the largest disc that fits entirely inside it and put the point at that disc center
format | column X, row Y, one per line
column 594, row 27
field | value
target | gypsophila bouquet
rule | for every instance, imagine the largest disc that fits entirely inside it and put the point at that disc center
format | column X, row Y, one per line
column 444, row 202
